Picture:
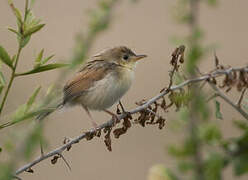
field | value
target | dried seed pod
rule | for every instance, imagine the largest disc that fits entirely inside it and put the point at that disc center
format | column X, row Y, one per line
column 65, row 141
column 29, row 170
column 107, row 139
column 55, row 159
column 90, row 135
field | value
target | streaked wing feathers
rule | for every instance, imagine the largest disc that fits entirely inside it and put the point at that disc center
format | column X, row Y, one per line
column 83, row 80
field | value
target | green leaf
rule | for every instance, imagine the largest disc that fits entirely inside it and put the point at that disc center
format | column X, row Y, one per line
column 2, row 82
column 241, row 165
column 18, row 15
column 24, row 41
column 4, row 56
column 19, row 116
column 212, row 2
column 213, row 166
column 160, row 172
column 43, row 68
column 38, row 59
column 30, row 21
column 13, row 58
column 209, row 133
column 218, row 114
column 14, row 31
column 1, row 88
column 10, row 2
column 194, row 55
column 33, row 29
column 32, row 98
column 201, row 106
column 47, row 59
column 2, row 79
column 185, row 166
column 243, row 125
column 32, row 4
column 7, row 170
column 182, row 151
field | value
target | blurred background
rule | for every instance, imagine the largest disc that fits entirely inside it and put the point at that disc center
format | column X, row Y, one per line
column 146, row 27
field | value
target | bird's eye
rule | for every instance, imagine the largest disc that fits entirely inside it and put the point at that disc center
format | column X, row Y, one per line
column 125, row 57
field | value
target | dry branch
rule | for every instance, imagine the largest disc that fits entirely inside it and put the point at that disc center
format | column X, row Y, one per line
column 109, row 124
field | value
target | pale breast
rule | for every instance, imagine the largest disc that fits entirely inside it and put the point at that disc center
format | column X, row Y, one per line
column 107, row 91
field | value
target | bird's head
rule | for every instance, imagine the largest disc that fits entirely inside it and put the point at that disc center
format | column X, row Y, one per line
column 120, row 55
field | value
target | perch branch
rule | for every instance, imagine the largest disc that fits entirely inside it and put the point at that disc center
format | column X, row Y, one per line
column 110, row 123
column 225, row 98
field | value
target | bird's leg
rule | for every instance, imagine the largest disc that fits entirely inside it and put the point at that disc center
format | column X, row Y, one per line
column 94, row 124
column 114, row 116
column 122, row 107
column 123, row 110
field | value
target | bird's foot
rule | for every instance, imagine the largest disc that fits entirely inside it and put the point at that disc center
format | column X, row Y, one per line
column 94, row 124
column 126, row 113
column 116, row 119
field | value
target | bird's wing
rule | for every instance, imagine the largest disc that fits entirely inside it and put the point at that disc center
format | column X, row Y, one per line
column 83, row 80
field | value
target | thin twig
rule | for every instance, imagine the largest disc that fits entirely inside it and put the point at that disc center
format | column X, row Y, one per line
column 109, row 123
column 241, row 98
column 67, row 164
column 225, row 98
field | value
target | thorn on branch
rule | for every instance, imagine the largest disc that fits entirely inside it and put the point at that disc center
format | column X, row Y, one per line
column 216, row 60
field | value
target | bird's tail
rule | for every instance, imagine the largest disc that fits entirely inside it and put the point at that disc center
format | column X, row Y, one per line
column 48, row 112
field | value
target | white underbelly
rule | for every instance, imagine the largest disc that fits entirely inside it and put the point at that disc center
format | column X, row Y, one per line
column 106, row 92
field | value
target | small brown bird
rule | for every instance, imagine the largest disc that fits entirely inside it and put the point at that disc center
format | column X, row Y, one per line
column 102, row 81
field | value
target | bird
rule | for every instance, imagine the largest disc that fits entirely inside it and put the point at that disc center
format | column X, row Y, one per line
column 102, row 81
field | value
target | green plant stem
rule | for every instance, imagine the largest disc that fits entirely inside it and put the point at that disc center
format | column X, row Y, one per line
column 11, row 79
column 194, row 116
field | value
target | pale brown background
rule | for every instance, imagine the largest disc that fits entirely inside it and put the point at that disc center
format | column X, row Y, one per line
column 144, row 27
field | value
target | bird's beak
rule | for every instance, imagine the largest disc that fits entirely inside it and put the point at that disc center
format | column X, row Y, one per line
column 138, row 57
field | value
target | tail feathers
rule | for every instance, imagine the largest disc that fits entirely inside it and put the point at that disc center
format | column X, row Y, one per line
column 45, row 114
